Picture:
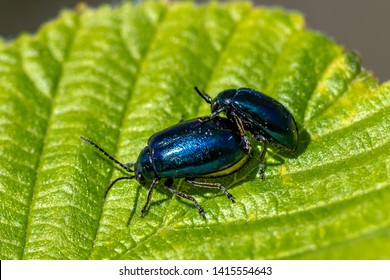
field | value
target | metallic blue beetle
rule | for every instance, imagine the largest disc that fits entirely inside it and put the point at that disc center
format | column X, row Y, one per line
column 267, row 119
column 192, row 149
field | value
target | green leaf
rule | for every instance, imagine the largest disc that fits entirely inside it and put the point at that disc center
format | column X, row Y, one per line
column 118, row 75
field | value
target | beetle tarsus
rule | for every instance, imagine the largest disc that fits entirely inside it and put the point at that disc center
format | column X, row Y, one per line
column 168, row 185
column 150, row 192
column 212, row 186
column 261, row 171
column 143, row 211
column 262, row 156
column 201, row 211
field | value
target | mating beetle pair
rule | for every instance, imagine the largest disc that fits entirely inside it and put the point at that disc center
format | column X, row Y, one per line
column 212, row 146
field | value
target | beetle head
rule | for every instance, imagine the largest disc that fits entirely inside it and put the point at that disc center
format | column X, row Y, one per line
column 222, row 101
column 143, row 168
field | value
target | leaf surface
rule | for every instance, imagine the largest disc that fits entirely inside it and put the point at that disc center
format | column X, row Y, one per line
column 118, row 75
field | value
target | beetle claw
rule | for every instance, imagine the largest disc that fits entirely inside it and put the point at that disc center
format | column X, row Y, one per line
column 143, row 212
column 261, row 170
column 231, row 198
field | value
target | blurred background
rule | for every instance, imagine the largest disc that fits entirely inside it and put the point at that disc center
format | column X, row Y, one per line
column 360, row 25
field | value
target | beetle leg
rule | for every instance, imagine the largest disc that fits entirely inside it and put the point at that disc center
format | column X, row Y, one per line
column 244, row 137
column 154, row 182
column 212, row 115
column 168, row 185
column 218, row 111
column 212, row 186
column 261, row 138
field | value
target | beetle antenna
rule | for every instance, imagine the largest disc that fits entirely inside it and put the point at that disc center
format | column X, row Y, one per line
column 124, row 166
column 204, row 95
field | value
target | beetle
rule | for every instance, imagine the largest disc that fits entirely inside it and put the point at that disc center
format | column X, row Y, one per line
column 192, row 149
column 264, row 117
